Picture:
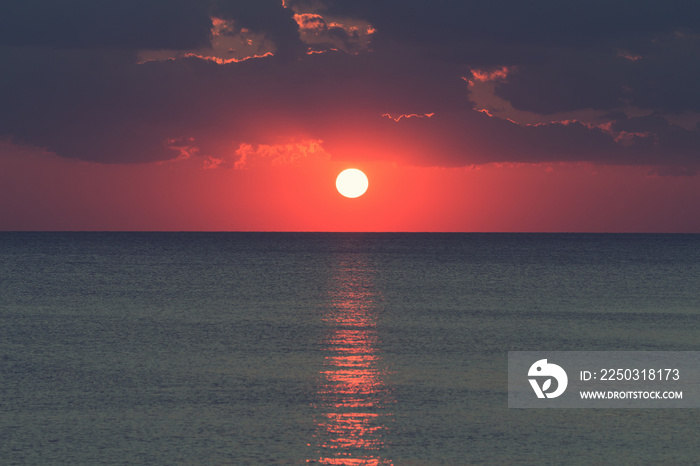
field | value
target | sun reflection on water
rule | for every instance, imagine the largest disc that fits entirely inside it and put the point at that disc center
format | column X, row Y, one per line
column 354, row 402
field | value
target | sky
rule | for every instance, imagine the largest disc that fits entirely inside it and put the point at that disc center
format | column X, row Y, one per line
column 237, row 115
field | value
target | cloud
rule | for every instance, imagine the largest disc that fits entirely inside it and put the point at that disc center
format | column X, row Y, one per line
column 461, row 27
column 139, row 24
column 126, row 24
column 412, row 115
column 571, row 79
column 320, row 34
column 148, row 89
column 291, row 153
column 264, row 16
column 229, row 43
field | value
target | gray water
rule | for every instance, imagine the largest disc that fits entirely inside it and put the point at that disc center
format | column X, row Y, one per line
column 288, row 348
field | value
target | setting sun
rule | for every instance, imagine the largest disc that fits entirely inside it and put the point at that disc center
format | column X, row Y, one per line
column 166, row 202
column 352, row 183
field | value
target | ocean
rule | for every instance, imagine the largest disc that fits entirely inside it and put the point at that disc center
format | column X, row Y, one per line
column 330, row 348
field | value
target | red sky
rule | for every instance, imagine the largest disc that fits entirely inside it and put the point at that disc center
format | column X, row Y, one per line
column 47, row 192
column 238, row 115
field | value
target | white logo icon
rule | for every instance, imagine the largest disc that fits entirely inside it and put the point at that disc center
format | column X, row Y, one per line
column 542, row 369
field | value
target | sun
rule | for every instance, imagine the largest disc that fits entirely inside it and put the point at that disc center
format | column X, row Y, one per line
column 352, row 183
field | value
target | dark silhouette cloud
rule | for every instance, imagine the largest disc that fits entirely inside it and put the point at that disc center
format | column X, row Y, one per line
column 72, row 81
column 166, row 24
column 451, row 24
column 660, row 79
column 137, row 24
column 264, row 16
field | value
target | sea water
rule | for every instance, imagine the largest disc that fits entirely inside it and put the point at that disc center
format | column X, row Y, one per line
column 294, row 348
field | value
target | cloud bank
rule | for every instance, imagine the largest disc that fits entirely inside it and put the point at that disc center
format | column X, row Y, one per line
column 504, row 81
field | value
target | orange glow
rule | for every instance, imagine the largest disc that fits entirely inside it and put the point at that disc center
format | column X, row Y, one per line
column 221, row 26
column 310, row 21
column 355, row 402
column 317, row 32
column 411, row 115
column 290, row 153
column 229, row 44
column 225, row 61
column 199, row 191
column 484, row 76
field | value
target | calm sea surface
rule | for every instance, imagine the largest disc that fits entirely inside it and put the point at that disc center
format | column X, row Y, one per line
column 286, row 348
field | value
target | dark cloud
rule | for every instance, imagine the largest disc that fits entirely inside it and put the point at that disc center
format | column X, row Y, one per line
column 155, row 24
column 663, row 79
column 264, row 16
column 537, row 22
column 137, row 24
column 76, row 88
column 568, row 80
column 643, row 124
column 569, row 55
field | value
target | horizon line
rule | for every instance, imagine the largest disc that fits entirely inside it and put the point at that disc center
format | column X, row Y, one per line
column 371, row 232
